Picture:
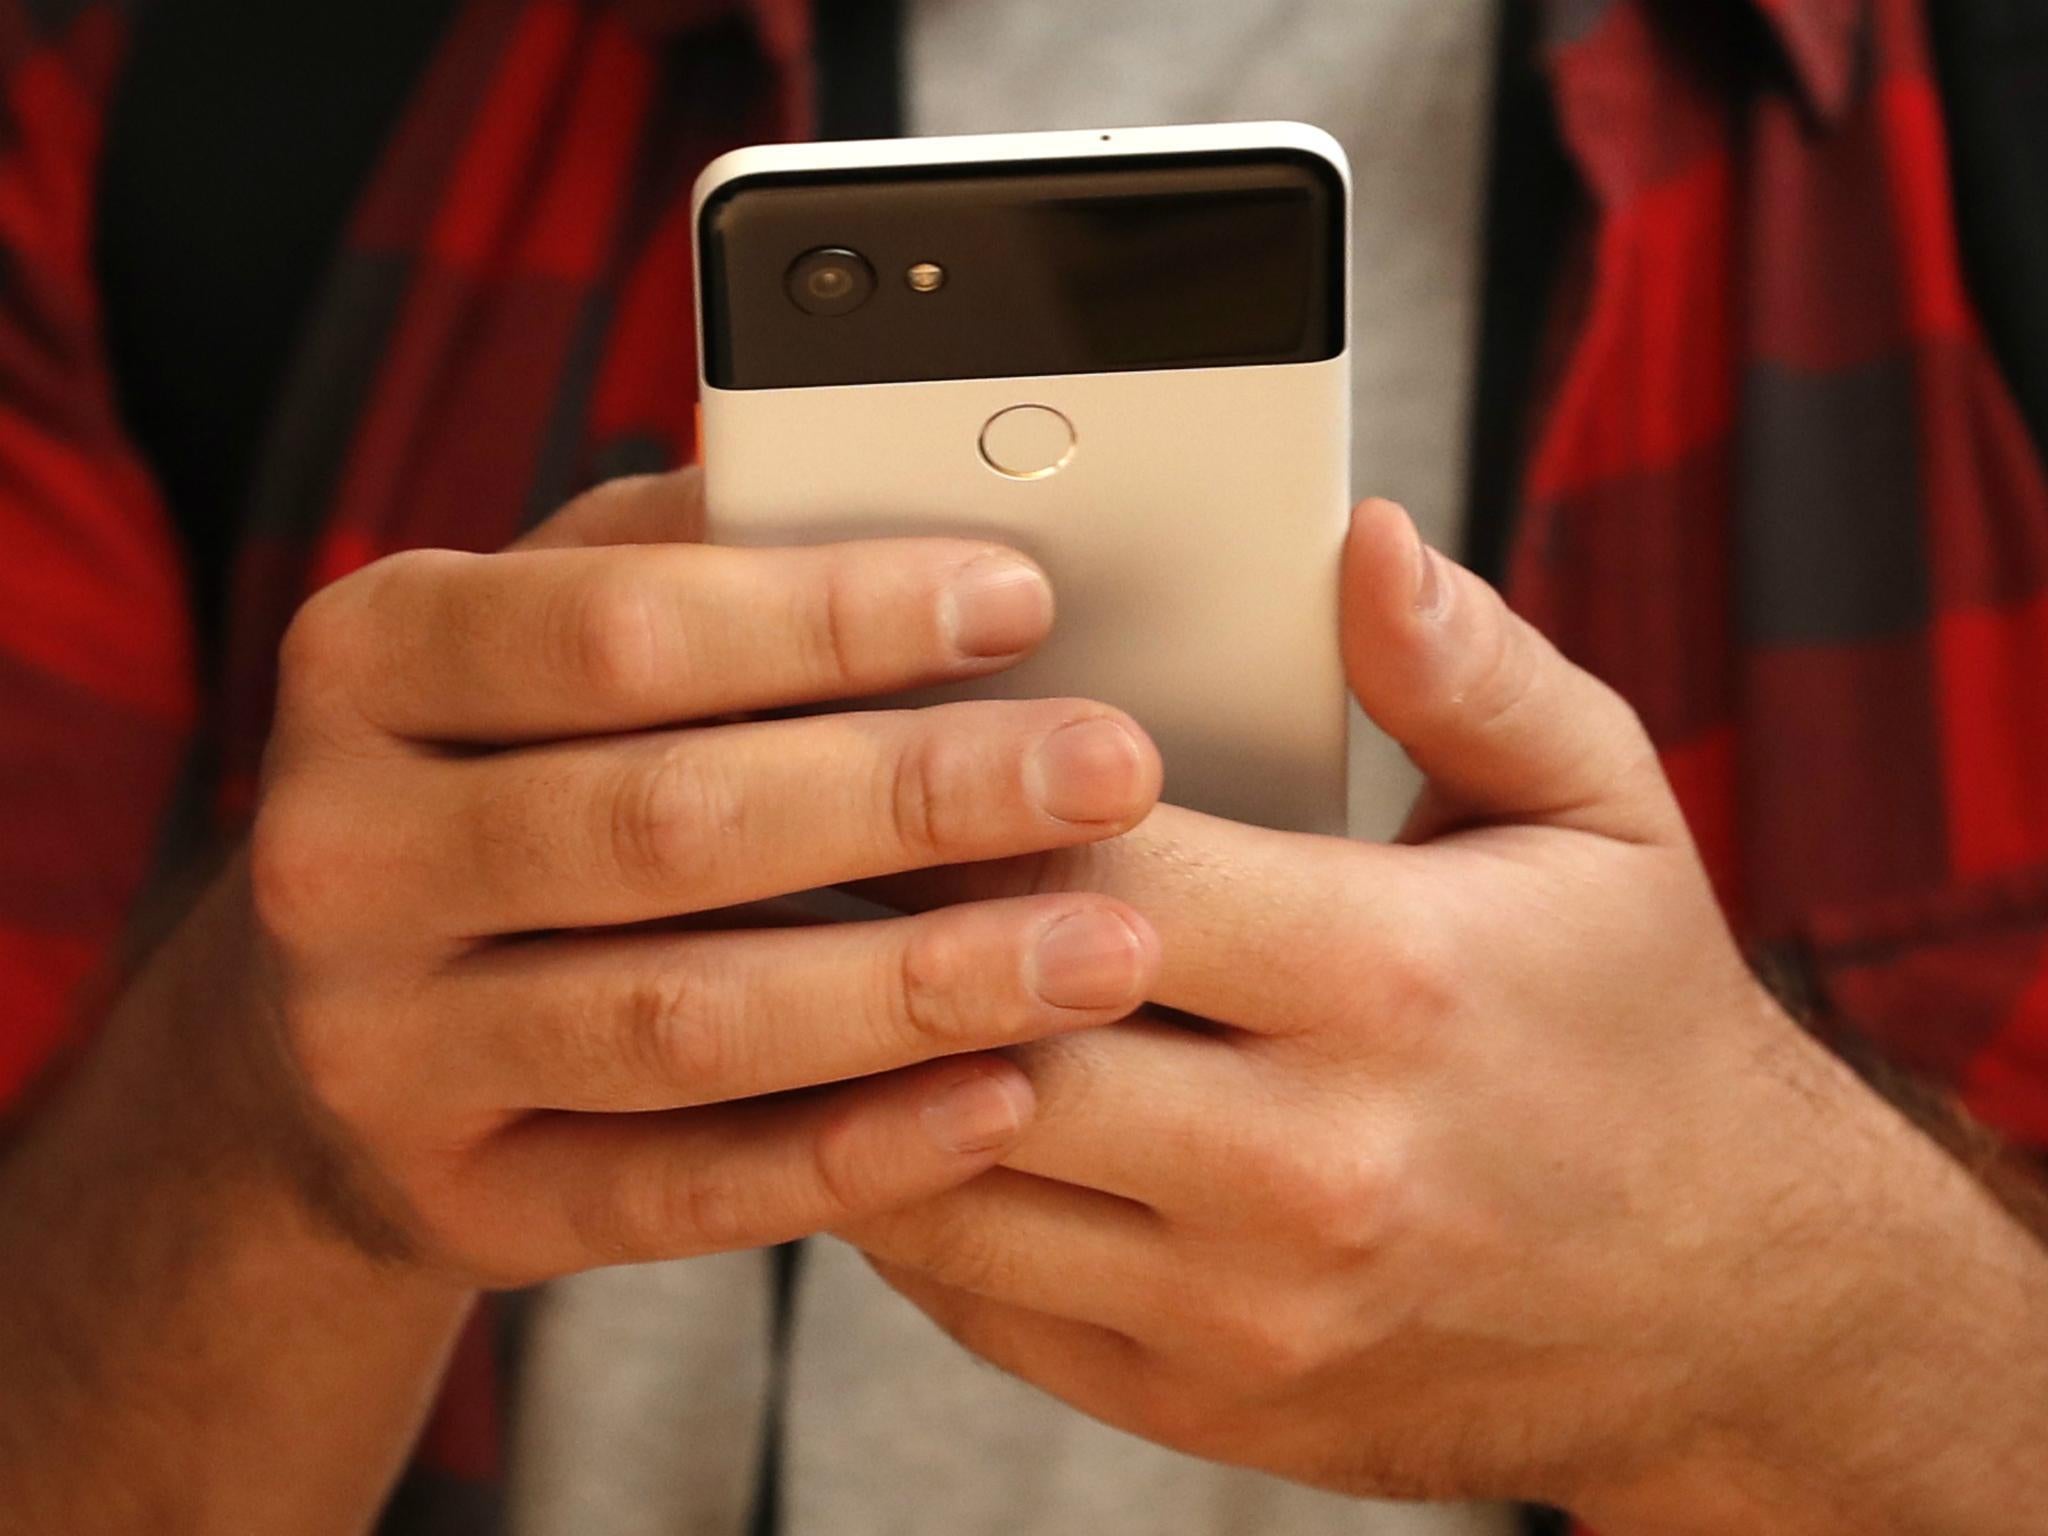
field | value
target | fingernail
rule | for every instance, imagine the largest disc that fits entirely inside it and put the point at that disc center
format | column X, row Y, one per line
column 997, row 606
column 1088, row 960
column 1429, row 582
column 978, row 1114
column 1090, row 771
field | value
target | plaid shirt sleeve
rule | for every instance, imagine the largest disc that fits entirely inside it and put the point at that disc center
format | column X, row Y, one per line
column 508, row 320
column 96, row 684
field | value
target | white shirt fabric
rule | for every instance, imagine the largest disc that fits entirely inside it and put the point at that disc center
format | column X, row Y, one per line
column 644, row 1393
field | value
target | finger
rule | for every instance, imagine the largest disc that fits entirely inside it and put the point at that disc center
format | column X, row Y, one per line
column 436, row 645
column 636, row 509
column 1225, row 898
column 592, row 834
column 1497, row 719
column 645, row 1022
column 590, row 1190
column 1028, row 1242
column 1157, row 1114
column 1196, row 1397
column 1097, row 1370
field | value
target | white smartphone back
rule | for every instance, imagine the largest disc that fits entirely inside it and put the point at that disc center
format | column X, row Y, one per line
column 1191, row 519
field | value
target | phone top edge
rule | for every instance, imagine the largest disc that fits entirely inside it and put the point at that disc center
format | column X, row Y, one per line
column 1338, row 361
column 767, row 161
column 1000, row 148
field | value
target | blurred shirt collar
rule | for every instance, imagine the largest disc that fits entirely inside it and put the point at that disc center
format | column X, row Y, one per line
column 784, row 25
column 1822, row 42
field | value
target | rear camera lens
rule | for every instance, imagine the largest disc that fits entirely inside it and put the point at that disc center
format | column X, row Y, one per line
column 830, row 281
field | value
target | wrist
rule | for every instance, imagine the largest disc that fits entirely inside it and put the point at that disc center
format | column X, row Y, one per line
column 1887, row 1370
column 188, row 1087
column 190, row 1335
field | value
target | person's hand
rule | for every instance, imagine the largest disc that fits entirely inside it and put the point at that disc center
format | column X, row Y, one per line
column 1488, row 1169
column 494, row 782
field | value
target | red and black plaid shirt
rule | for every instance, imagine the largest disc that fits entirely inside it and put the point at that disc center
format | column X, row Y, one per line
column 1779, row 494
column 1784, row 501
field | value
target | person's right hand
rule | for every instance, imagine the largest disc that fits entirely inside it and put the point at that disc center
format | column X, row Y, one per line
column 495, row 778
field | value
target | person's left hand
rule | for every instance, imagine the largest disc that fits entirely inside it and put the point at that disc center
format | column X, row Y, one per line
column 1492, row 1171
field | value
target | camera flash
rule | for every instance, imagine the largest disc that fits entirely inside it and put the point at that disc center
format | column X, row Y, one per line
column 926, row 277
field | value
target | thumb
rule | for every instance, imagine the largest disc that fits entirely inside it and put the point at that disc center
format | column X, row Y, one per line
column 1503, row 727
column 638, row 509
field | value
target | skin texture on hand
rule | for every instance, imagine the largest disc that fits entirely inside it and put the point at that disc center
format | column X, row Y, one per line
column 506, row 799
column 1480, row 1165
column 485, row 1000
column 187, row 1348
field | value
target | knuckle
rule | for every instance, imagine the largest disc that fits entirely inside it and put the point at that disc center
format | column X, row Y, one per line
column 912, row 796
column 324, row 643
column 1416, row 983
column 931, row 812
column 619, row 496
column 1503, row 674
column 296, row 869
column 613, row 636
column 928, row 973
column 1272, row 1341
column 670, row 1039
column 655, row 1211
column 827, row 629
column 1637, row 774
column 846, row 1169
column 407, row 570
column 1335, row 1202
column 665, row 817
column 1632, row 734
column 619, row 1222
column 709, row 1205
column 631, row 508
column 332, row 646
column 965, row 1256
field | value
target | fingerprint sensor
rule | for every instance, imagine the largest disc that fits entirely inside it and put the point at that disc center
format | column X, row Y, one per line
column 1027, row 442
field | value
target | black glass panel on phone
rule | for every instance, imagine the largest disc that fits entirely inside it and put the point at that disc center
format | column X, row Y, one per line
column 1087, row 266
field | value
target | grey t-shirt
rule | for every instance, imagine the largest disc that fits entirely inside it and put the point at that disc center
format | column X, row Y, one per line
column 1404, row 85
column 645, row 1390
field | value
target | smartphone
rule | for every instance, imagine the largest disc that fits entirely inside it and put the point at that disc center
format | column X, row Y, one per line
column 1124, row 352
